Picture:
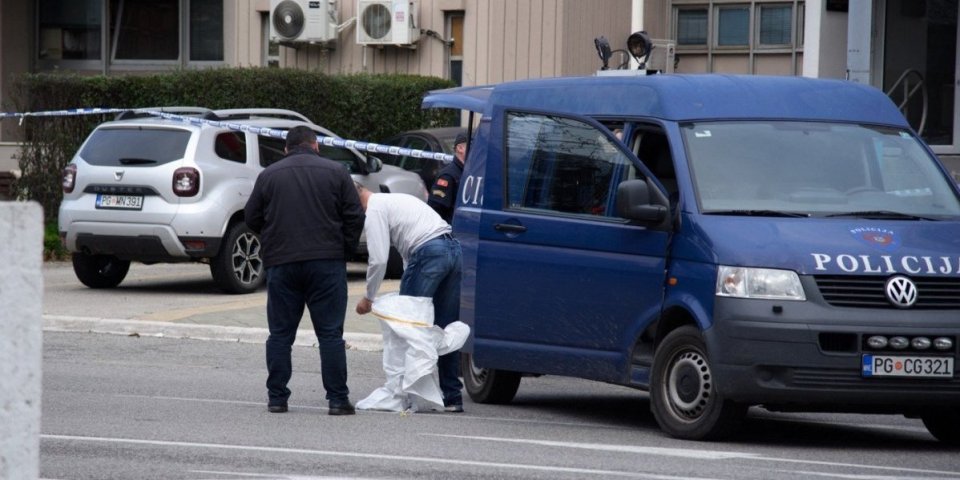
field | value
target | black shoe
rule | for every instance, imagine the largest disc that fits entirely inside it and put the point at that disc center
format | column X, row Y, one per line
column 341, row 409
column 454, row 408
column 277, row 408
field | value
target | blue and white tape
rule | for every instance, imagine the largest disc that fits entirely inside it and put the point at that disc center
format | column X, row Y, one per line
column 262, row 131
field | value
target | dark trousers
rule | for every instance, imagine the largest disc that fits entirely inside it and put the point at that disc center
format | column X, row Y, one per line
column 321, row 286
column 434, row 270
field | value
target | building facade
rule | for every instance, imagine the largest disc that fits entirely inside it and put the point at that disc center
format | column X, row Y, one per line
column 906, row 47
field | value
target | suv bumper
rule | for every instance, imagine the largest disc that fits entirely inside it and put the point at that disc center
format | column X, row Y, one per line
column 810, row 354
column 137, row 242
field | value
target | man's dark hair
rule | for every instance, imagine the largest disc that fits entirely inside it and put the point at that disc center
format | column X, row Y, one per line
column 301, row 135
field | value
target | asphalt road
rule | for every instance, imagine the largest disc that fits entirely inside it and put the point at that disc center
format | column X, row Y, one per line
column 145, row 405
column 161, row 408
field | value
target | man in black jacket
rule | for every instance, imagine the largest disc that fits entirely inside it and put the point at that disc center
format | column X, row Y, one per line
column 309, row 218
column 443, row 195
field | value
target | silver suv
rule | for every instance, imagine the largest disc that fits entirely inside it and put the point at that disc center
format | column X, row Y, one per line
column 153, row 190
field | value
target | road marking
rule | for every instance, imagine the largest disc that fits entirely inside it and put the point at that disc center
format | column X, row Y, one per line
column 462, row 416
column 698, row 454
column 662, row 451
column 369, row 456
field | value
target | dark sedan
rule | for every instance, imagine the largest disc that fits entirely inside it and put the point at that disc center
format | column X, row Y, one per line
column 430, row 139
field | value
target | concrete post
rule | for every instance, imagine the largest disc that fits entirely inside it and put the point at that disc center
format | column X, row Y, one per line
column 21, row 338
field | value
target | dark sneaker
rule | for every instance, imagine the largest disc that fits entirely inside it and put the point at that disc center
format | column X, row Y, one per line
column 277, row 408
column 341, row 409
column 454, row 408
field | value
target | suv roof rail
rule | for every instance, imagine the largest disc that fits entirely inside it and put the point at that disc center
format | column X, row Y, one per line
column 142, row 112
column 246, row 113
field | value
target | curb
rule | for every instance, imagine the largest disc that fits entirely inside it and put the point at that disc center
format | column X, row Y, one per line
column 366, row 342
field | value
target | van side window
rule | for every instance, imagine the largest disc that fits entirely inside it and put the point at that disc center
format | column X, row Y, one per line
column 561, row 165
column 654, row 152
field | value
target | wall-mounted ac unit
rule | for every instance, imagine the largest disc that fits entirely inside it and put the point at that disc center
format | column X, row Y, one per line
column 387, row 22
column 312, row 21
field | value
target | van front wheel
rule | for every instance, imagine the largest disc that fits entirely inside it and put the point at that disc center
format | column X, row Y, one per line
column 684, row 397
column 486, row 385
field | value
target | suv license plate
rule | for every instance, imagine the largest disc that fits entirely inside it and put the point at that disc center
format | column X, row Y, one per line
column 907, row 366
column 121, row 202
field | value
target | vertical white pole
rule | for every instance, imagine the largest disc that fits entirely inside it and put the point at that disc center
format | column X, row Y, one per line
column 636, row 25
column 21, row 339
column 859, row 41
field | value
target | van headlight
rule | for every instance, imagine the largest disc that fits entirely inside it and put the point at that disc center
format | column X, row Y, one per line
column 765, row 283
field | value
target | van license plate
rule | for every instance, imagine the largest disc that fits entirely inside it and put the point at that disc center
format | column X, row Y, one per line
column 122, row 202
column 907, row 366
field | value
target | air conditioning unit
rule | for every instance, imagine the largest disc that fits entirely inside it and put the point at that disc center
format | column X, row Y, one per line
column 311, row 21
column 387, row 22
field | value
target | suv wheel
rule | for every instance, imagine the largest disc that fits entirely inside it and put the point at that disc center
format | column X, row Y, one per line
column 99, row 271
column 238, row 268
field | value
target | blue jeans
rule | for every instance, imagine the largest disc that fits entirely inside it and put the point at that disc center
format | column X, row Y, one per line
column 321, row 285
column 433, row 270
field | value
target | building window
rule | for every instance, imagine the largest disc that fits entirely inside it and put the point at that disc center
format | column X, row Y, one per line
column 776, row 26
column 132, row 31
column 145, row 29
column 692, row 26
column 70, row 29
column 751, row 36
column 206, row 30
column 455, row 32
column 733, row 26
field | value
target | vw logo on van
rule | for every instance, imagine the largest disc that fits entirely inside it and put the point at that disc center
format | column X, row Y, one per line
column 901, row 291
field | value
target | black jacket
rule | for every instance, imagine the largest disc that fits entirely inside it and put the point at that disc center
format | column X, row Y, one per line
column 305, row 207
column 443, row 195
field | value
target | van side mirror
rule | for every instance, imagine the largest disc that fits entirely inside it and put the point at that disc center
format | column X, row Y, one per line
column 374, row 164
column 642, row 202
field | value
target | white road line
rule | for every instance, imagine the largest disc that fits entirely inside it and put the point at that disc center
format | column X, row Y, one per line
column 856, row 476
column 466, row 416
column 662, row 451
column 698, row 454
column 369, row 456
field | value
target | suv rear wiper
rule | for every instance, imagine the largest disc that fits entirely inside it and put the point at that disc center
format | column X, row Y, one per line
column 136, row 161
column 880, row 215
column 758, row 213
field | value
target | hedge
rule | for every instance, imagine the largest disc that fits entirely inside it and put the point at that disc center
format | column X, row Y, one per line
column 360, row 106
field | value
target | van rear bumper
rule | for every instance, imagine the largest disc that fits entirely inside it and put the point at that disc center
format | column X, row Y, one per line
column 810, row 355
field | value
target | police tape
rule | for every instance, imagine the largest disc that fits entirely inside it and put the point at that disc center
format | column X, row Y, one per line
column 262, row 131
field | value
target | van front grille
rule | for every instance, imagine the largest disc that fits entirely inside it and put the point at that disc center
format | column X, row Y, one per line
column 859, row 291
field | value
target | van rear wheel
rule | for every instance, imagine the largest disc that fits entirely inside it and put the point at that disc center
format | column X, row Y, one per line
column 99, row 271
column 684, row 396
column 487, row 385
column 944, row 424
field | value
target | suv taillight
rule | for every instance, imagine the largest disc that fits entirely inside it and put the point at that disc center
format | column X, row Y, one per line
column 186, row 182
column 68, row 178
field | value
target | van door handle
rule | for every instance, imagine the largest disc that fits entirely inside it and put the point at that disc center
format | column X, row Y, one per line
column 509, row 228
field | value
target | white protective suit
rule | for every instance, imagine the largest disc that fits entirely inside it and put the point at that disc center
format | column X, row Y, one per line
column 411, row 346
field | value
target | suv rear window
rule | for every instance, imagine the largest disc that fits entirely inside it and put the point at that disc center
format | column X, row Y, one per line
column 135, row 146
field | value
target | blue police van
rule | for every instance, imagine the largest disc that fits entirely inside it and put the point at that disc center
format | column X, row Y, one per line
column 719, row 241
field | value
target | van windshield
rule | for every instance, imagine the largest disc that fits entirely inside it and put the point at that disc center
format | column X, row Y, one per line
column 815, row 169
